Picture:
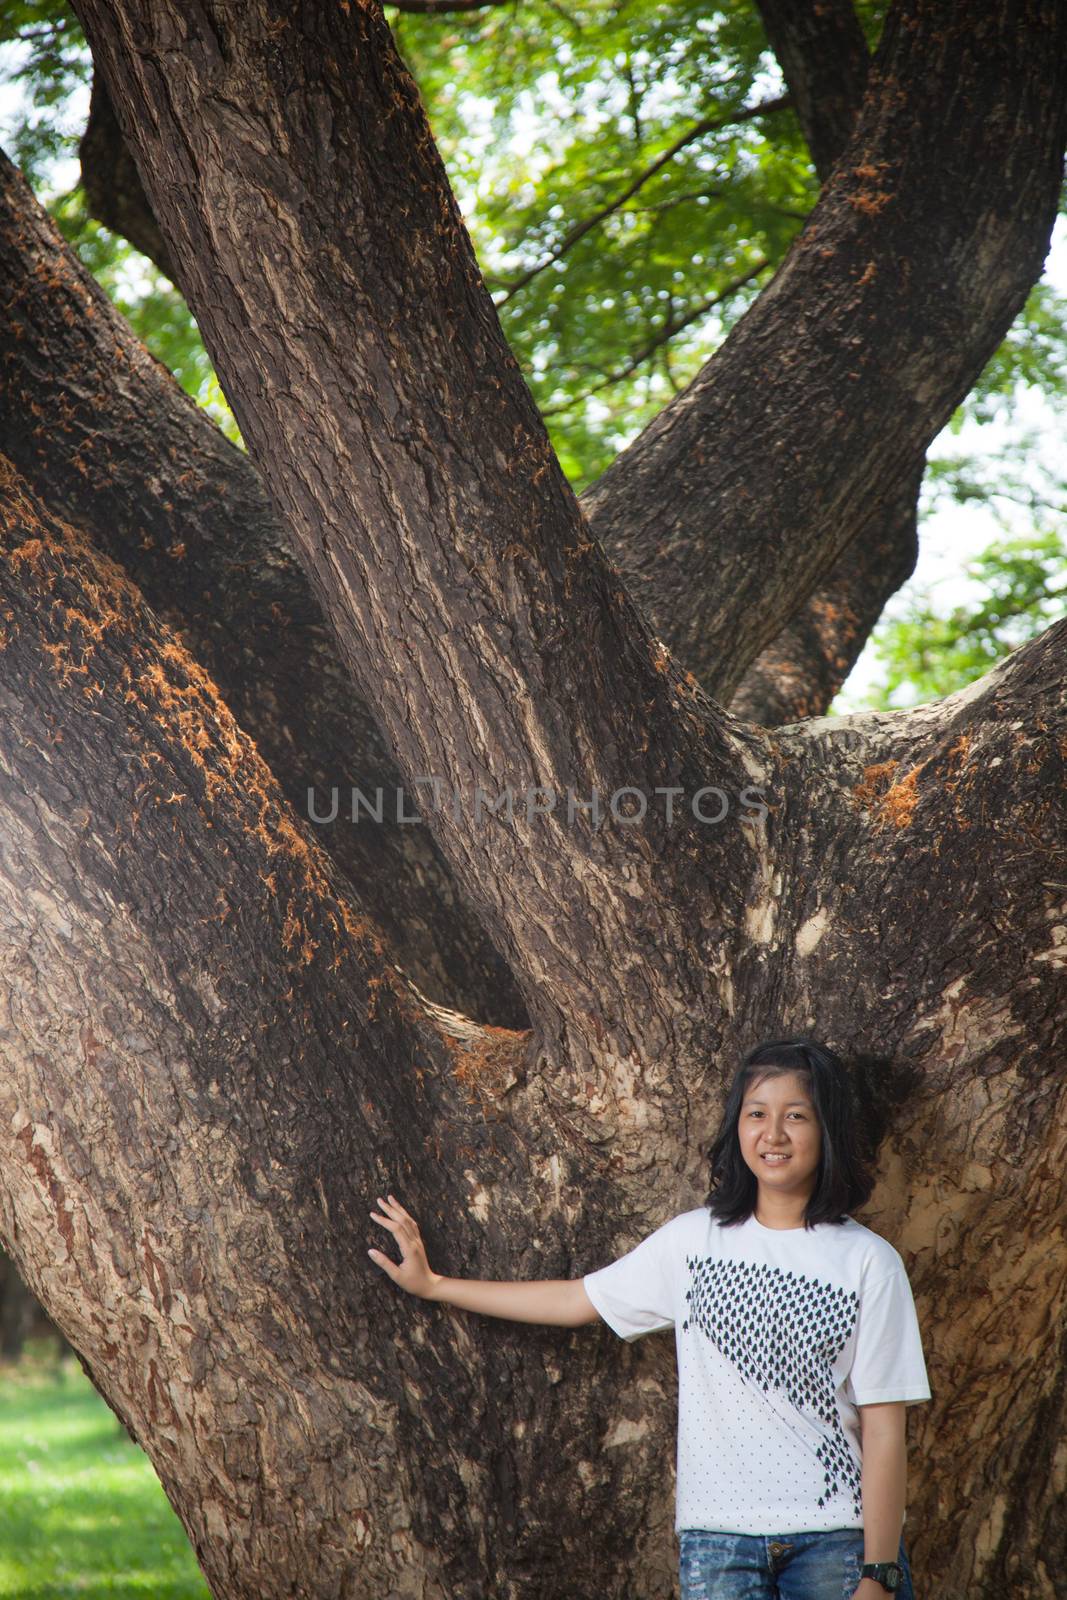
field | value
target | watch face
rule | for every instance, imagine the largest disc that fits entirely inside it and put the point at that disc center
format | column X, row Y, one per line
column 888, row 1574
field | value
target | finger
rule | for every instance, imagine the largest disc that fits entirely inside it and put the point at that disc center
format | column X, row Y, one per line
column 386, row 1222
column 382, row 1261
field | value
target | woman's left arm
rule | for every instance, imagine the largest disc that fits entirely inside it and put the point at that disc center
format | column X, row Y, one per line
column 884, row 1487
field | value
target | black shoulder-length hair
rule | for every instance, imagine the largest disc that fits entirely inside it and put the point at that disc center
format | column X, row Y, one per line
column 843, row 1180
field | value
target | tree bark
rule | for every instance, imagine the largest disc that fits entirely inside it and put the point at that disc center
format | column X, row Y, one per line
column 823, row 56
column 432, row 519
column 824, row 59
column 799, row 673
column 221, row 1142
column 108, row 438
column 823, row 621
column 208, row 1073
column 114, row 193
column 209, row 1067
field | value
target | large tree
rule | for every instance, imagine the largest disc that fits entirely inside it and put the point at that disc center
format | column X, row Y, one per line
column 217, row 1042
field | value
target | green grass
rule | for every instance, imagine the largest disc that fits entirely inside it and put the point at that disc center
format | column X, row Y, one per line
column 82, row 1512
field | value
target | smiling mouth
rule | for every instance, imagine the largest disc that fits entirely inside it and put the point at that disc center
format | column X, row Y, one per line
column 775, row 1161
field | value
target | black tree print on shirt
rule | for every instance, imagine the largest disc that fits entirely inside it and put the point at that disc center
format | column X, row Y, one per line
column 782, row 1330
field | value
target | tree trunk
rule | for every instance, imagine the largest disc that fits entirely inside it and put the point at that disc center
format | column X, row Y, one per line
column 18, row 1309
column 83, row 409
column 823, row 55
column 210, row 1068
column 114, row 194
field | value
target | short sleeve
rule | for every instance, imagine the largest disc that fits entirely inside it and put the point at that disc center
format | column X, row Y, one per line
column 888, row 1362
column 634, row 1294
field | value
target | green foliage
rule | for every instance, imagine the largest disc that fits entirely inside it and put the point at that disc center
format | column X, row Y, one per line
column 51, row 60
column 81, row 1508
column 1019, row 588
column 547, row 118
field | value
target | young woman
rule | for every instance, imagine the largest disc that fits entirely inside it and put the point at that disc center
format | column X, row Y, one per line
column 798, row 1344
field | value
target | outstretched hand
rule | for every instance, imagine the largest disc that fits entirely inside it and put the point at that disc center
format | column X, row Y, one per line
column 413, row 1272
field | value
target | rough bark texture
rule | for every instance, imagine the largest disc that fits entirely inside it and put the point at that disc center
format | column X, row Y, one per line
column 207, row 1073
column 114, row 193
column 823, row 56
column 208, row 1068
column 824, row 59
column 799, row 673
column 104, row 431
column 501, row 651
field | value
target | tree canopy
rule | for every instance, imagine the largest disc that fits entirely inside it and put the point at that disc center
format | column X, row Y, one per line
column 632, row 175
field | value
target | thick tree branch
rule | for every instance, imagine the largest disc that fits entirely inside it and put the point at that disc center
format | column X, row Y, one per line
column 114, row 193
column 788, row 678
column 207, row 1073
column 977, row 776
column 176, row 957
column 323, row 254
column 799, row 673
column 824, row 59
column 104, row 432
column 927, row 238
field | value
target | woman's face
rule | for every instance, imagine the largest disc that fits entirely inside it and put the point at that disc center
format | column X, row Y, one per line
column 779, row 1134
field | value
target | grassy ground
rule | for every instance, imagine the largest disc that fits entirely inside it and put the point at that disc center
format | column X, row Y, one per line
column 82, row 1512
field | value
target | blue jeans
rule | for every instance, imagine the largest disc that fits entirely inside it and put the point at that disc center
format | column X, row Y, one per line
column 789, row 1566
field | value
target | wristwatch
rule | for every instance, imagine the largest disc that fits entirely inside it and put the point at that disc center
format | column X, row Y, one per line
column 887, row 1573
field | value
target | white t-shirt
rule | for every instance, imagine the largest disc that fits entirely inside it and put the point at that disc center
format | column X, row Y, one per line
column 781, row 1334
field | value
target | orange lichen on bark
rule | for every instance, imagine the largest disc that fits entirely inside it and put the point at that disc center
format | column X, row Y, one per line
column 65, row 666
column 886, row 801
column 957, row 783
column 893, row 803
column 183, row 710
column 485, row 1059
column 897, row 805
column 870, row 200
column 875, row 781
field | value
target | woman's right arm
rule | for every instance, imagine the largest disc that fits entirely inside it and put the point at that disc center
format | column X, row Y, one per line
column 562, row 1302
